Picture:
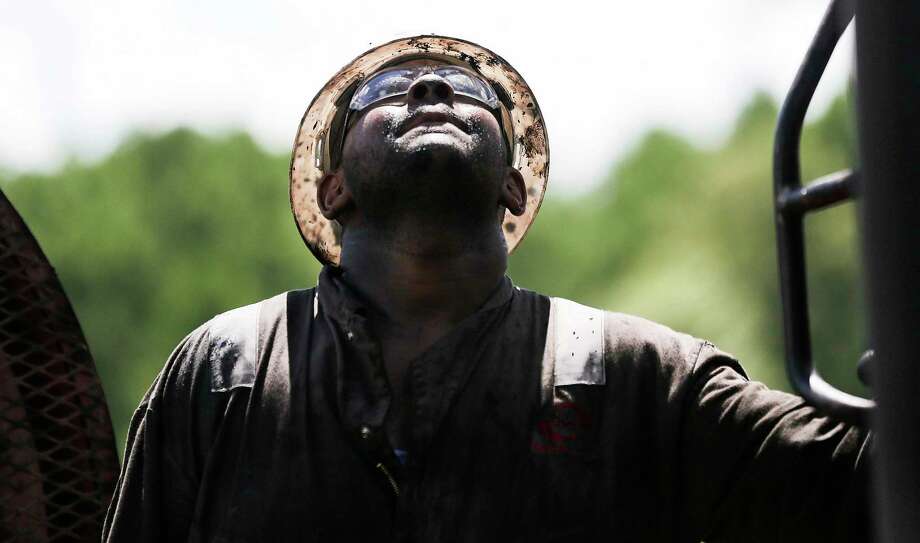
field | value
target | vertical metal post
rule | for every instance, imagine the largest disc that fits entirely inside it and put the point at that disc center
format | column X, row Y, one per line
column 888, row 94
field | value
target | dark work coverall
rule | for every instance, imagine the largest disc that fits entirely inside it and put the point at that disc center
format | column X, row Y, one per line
column 269, row 423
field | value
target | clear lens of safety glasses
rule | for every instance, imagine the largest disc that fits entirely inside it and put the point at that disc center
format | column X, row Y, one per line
column 396, row 82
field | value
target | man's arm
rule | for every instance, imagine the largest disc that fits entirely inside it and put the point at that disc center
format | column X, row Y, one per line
column 156, row 492
column 761, row 465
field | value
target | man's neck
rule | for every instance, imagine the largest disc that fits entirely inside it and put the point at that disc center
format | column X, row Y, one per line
column 425, row 283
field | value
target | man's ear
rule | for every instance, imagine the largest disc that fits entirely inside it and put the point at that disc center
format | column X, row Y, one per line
column 514, row 192
column 332, row 195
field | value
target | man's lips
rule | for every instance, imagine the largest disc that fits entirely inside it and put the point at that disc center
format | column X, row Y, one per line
column 431, row 118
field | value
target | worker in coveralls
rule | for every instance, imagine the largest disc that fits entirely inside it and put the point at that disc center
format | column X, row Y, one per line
column 417, row 394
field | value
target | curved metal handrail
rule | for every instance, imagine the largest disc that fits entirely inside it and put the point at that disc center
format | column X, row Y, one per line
column 792, row 203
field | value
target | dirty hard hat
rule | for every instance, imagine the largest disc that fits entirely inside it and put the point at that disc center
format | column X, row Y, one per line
column 317, row 146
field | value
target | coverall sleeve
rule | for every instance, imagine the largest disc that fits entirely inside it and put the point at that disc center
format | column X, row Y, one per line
column 156, row 492
column 760, row 465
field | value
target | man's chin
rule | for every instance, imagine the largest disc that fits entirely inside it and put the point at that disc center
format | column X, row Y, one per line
column 432, row 152
column 435, row 142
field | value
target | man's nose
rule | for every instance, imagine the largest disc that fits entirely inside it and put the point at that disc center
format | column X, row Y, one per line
column 430, row 89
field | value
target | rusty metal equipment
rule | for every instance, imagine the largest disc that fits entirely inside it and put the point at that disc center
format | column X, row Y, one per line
column 58, row 462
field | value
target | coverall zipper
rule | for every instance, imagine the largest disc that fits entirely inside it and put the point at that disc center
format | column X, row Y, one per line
column 389, row 477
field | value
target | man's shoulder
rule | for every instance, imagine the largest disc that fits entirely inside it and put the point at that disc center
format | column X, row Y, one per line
column 624, row 336
column 232, row 338
column 230, row 321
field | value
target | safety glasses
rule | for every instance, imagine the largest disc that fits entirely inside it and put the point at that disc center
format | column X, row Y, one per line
column 396, row 82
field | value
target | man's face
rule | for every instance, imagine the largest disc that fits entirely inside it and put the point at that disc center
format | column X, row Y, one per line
column 430, row 151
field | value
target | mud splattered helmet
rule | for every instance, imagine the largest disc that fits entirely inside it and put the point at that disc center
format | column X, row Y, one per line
column 317, row 146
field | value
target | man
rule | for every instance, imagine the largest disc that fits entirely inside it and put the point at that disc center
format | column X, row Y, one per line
column 417, row 395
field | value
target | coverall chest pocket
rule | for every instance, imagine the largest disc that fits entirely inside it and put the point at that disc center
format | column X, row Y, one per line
column 567, row 465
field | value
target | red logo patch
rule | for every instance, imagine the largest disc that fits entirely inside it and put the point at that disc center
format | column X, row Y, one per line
column 560, row 428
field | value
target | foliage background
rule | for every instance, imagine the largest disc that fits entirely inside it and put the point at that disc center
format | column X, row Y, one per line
column 173, row 228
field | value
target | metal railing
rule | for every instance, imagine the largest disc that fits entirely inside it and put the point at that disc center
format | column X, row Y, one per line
column 792, row 202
